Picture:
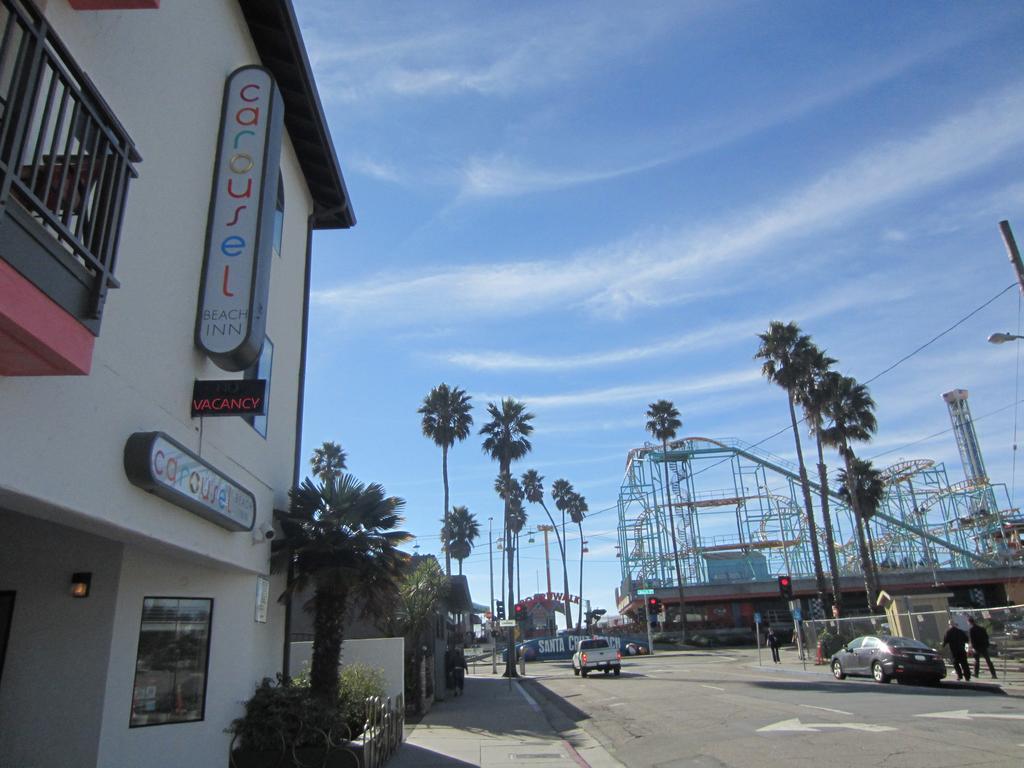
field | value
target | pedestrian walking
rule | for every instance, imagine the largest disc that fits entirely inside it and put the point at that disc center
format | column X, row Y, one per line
column 460, row 668
column 979, row 645
column 772, row 641
column 956, row 639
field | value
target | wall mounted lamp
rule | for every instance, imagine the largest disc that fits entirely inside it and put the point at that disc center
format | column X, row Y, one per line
column 80, row 583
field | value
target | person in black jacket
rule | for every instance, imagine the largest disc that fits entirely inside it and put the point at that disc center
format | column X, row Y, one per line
column 772, row 640
column 956, row 639
column 979, row 643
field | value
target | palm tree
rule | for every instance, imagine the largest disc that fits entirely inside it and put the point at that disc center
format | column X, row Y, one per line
column 339, row 536
column 517, row 521
column 328, row 461
column 785, row 351
column 508, row 488
column 850, row 413
column 562, row 494
column 870, row 491
column 460, row 533
column 812, row 394
column 578, row 509
column 507, row 440
column 533, row 487
column 446, row 418
column 662, row 423
column 420, row 594
column 866, row 481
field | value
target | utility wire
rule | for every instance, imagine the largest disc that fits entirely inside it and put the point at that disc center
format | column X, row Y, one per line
column 877, row 376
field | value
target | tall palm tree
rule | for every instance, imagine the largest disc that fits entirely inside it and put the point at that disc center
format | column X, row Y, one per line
column 517, row 521
column 339, row 537
column 460, row 533
column 533, row 487
column 867, row 483
column 507, row 440
column 328, row 461
column 578, row 509
column 812, row 394
column 446, row 418
column 663, row 422
column 562, row 494
column 785, row 351
column 850, row 414
column 508, row 488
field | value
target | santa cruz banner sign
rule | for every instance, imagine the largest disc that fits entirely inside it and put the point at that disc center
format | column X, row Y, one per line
column 164, row 467
column 231, row 319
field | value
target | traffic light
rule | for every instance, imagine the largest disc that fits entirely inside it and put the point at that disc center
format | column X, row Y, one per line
column 653, row 609
column 520, row 610
column 786, row 587
column 499, row 609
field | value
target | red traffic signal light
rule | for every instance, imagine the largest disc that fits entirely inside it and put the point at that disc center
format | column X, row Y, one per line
column 786, row 587
column 520, row 610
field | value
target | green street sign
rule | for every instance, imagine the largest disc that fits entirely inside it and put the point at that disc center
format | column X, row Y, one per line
column 643, row 592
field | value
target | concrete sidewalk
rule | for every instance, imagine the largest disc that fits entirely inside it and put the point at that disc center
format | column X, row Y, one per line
column 495, row 724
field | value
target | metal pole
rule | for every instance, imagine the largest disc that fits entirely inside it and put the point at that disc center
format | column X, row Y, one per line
column 1012, row 252
column 647, row 613
column 757, row 631
column 545, row 529
column 793, row 606
column 490, row 558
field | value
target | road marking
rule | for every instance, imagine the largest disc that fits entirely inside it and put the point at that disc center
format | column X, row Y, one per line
column 713, row 687
column 618, row 704
column 796, row 725
column 827, row 709
column 963, row 714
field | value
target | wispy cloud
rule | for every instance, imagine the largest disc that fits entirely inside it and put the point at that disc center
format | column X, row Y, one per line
column 373, row 168
column 877, row 289
column 636, row 392
column 429, row 51
column 502, row 175
column 651, row 270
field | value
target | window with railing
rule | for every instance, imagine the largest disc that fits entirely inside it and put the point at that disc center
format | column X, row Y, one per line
column 65, row 165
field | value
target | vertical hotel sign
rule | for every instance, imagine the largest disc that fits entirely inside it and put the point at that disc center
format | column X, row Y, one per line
column 231, row 320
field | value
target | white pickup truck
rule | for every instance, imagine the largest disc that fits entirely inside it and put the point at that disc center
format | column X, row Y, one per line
column 596, row 654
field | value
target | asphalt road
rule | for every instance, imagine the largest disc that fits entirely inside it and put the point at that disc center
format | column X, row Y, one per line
column 721, row 709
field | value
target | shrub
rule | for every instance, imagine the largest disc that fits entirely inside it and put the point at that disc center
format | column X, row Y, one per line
column 279, row 717
column 357, row 684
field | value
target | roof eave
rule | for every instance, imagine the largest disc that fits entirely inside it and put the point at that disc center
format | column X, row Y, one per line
column 278, row 40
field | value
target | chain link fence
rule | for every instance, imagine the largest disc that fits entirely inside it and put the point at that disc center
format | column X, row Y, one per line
column 1005, row 627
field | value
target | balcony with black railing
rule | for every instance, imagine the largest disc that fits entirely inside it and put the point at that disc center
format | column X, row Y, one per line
column 65, row 166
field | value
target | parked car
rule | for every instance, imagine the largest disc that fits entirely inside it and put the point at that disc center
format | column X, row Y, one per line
column 1014, row 629
column 885, row 657
column 596, row 654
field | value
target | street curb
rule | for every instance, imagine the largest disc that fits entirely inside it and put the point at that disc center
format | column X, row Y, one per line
column 550, row 704
column 995, row 689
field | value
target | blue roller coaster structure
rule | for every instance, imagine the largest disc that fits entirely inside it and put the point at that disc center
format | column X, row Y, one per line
column 739, row 516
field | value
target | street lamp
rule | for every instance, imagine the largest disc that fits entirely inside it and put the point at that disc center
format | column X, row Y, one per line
column 1002, row 338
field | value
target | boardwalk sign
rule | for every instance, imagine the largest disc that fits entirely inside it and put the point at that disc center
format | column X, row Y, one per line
column 562, row 647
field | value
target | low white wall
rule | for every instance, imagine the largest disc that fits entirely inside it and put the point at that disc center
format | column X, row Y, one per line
column 384, row 653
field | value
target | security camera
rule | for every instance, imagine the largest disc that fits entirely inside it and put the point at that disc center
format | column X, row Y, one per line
column 265, row 532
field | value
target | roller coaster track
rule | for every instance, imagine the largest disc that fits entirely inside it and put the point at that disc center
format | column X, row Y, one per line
column 904, row 470
column 684, row 449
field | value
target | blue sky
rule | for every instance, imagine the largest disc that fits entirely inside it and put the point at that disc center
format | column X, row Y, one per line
column 590, row 207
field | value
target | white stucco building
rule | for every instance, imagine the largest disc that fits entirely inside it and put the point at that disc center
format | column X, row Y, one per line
column 141, row 143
